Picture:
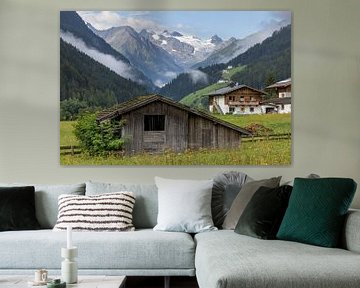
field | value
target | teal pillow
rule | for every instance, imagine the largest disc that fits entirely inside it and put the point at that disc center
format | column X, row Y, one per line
column 316, row 211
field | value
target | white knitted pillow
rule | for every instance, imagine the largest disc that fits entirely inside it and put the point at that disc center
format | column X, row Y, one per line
column 105, row 212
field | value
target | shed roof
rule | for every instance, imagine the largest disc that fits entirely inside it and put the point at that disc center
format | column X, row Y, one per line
column 140, row 101
column 229, row 89
column 282, row 83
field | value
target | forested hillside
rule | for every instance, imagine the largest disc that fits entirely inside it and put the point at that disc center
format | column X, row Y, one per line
column 267, row 62
column 70, row 21
column 86, row 84
column 186, row 83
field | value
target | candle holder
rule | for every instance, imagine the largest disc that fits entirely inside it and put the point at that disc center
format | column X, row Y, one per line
column 69, row 271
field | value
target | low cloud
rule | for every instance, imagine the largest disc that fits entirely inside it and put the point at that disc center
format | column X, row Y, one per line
column 119, row 67
column 103, row 20
column 198, row 76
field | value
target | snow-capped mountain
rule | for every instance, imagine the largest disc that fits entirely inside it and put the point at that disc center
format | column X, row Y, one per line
column 148, row 57
column 231, row 48
column 186, row 49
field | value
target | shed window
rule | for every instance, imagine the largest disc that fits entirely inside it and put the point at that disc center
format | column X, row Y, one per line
column 251, row 109
column 154, row 122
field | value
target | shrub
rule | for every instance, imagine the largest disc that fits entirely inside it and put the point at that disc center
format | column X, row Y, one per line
column 98, row 138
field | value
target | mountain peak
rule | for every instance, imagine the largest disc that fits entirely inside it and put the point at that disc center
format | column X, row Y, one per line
column 216, row 39
column 176, row 34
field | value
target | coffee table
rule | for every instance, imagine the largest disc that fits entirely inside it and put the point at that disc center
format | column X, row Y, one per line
column 84, row 281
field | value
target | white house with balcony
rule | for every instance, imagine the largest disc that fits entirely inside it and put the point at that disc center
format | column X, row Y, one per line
column 236, row 99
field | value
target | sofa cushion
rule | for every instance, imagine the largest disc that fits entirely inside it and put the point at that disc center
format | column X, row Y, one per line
column 225, row 259
column 146, row 205
column 225, row 189
column 142, row 249
column 263, row 215
column 46, row 200
column 317, row 209
column 17, row 208
column 105, row 212
column 184, row 205
column 243, row 198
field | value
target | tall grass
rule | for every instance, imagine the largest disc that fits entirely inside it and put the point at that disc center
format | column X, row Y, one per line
column 67, row 136
column 275, row 152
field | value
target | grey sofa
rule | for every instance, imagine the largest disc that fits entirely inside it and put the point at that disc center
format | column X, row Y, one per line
column 218, row 259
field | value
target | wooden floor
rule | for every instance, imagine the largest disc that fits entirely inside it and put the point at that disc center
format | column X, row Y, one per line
column 158, row 282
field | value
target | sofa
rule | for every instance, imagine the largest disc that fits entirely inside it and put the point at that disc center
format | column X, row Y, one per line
column 218, row 259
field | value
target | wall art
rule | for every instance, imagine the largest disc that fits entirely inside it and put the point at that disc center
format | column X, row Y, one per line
column 175, row 88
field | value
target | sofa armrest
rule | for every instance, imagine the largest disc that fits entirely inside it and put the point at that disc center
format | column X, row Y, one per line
column 351, row 234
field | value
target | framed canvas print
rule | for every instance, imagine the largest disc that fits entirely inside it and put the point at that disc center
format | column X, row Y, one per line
column 175, row 88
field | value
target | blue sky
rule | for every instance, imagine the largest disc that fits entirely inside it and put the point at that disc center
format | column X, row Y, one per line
column 203, row 24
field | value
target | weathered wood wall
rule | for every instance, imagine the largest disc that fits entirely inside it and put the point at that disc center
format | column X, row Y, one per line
column 183, row 130
column 174, row 137
column 207, row 134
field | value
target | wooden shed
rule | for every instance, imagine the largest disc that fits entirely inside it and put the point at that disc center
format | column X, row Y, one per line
column 155, row 123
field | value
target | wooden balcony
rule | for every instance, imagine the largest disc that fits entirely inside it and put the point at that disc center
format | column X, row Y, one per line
column 244, row 103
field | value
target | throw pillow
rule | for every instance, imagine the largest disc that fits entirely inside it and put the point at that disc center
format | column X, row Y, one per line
column 17, row 209
column 263, row 215
column 243, row 198
column 317, row 209
column 106, row 212
column 226, row 187
column 146, row 205
column 184, row 205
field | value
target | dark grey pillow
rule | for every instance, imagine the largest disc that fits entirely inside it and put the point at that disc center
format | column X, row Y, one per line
column 226, row 187
column 263, row 214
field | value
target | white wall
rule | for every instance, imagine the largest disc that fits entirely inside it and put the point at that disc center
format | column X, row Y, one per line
column 326, row 90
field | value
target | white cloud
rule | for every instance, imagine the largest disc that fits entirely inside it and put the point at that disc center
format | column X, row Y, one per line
column 198, row 76
column 119, row 67
column 103, row 20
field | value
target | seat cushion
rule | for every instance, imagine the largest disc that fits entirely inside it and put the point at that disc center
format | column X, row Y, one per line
column 226, row 259
column 144, row 249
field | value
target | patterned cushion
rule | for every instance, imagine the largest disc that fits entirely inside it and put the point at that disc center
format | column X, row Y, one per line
column 105, row 212
column 317, row 210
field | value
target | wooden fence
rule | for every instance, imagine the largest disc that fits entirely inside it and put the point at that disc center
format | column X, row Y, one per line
column 252, row 138
column 69, row 150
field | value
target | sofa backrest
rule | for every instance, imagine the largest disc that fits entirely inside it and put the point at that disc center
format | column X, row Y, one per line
column 46, row 200
column 146, row 203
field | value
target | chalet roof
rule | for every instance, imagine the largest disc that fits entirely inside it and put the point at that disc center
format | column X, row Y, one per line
column 140, row 101
column 276, row 101
column 282, row 83
column 229, row 89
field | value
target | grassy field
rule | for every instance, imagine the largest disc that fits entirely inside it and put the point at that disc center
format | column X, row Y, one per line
column 264, row 152
column 276, row 152
column 232, row 71
column 278, row 123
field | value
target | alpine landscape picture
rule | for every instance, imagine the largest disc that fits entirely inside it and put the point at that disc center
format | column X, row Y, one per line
column 175, row 88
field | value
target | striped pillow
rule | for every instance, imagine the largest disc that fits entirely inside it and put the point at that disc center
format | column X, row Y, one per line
column 105, row 212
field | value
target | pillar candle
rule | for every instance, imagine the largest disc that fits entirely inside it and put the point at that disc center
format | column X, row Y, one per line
column 69, row 237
